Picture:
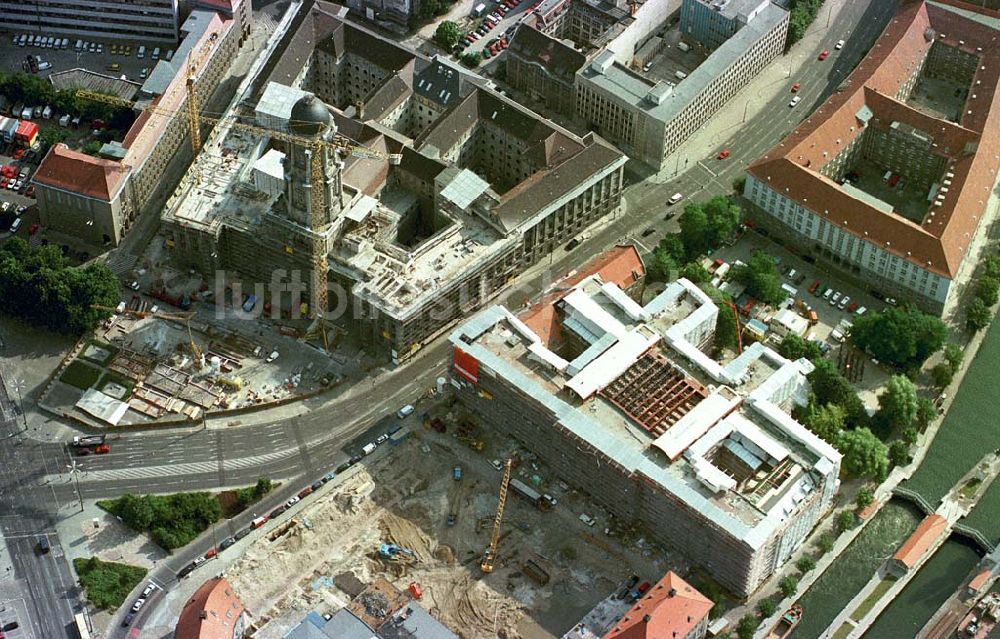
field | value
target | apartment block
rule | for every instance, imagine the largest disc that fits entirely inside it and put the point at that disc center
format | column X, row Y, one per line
column 446, row 191
column 98, row 199
column 621, row 401
column 886, row 182
column 134, row 20
column 709, row 23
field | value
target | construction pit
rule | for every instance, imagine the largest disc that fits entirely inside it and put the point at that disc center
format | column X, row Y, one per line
column 143, row 367
column 406, row 497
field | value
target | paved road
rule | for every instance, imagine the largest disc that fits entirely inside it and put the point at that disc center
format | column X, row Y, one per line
column 44, row 583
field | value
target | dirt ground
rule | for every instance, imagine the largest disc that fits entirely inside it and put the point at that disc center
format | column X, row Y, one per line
column 405, row 498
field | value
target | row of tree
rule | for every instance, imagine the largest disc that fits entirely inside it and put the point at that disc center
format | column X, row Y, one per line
column 40, row 287
column 985, row 295
column 801, row 15
column 902, row 338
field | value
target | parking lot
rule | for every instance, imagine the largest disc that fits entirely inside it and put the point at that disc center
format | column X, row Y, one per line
column 16, row 204
column 488, row 30
column 97, row 56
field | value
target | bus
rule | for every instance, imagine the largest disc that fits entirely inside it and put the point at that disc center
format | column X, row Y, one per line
column 81, row 626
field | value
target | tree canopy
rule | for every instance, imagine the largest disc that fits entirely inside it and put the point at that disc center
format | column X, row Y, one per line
column 705, row 225
column 830, row 387
column 725, row 328
column 760, row 276
column 39, row 286
column 794, row 347
column 695, row 272
column 661, row 267
column 898, row 404
column 447, row 34
column 826, row 421
column 171, row 520
column 902, row 338
column 801, row 15
column 977, row 315
column 864, row 454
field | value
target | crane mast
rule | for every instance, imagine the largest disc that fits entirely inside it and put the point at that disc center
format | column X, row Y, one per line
column 491, row 553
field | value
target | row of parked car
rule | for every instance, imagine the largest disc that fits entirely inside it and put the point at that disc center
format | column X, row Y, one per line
column 489, row 23
column 139, row 603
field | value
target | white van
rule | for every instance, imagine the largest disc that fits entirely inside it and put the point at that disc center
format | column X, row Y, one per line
column 156, row 53
column 405, row 411
column 680, row 75
column 16, row 225
column 79, row 45
column 674, row 199
column 141, row 53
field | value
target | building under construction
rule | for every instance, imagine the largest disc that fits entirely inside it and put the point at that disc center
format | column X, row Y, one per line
column 435, row 190
column 621, row 401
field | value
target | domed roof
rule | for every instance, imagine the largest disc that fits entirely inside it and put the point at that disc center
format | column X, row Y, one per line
column 309, row 116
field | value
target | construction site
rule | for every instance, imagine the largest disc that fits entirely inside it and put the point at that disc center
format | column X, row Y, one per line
column 422, row 518
column 148, row 364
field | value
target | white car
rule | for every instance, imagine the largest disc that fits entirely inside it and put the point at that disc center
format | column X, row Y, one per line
column 795, row 101
column 844, row 301
column 273, row 356
column 496, row 463
column 405, row 411
column 148, row 590
column 587, row 519
column 839, row 45
column 138, row 604
column 835, row 298
column 291, row 502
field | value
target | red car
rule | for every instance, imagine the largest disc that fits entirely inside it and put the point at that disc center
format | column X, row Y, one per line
column 723, row 155
column 796, row 87
column 823, row 55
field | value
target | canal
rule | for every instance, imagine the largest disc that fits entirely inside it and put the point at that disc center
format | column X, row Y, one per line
column 855, row 566
column 921, row 598
column 970, row 430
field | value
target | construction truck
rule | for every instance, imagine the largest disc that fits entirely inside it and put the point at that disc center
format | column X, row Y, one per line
column 393, row 552
column 85, row 445
column 542, row 502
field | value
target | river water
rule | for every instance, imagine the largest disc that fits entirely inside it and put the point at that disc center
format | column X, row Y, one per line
column 855, row 566
column 970, row 430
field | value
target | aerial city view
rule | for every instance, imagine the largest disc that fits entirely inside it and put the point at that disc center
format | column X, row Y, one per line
column 499, row 319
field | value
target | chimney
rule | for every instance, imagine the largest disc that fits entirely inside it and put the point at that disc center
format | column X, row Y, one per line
column 647, row 618
column 672, row 592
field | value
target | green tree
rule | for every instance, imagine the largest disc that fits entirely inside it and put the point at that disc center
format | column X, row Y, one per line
column 471, row 59
column 805, row 563
column 910, row 436
column 661, row 267
column 942, row 374
column 761, row 278
column 447, row 34
column 827, row 421
column 695, row 230
column 674, row 246
column 830, row 387
column 739, row 184
column 92, row 148
column 864, row 454
column 988, row 289
column 953, row 354
column 725, row 328
column 766, row 607
column 900, row 337
column 845, row 519
column 991, row 266
column 898, row 403
column 794, row 347
column 864, row 497
column 788, row 586
column 825, row 543
column 262, row 487
column 926, row 412
column 899, row 453
column 747, row 626
column 977, row 315
column 695, row 272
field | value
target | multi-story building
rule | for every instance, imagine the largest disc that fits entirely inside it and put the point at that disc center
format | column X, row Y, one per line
column 213, row 612
column 647, row 116
column 889, row 181
column 622, row 402
column 98, row 199
column 136, row 20
column 709, row 23
column 450, row 192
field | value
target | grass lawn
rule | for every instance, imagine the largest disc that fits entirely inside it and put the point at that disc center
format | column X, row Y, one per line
column 843, row 631
column 112, row 378
column 92, row 354
column 81, row 375
column 873, row 598
column 107, row 584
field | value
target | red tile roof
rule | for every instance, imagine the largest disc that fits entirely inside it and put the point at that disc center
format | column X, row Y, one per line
column 212, row 612
column 921, row 540
column 980, row 580
column 621, row 265
column 940, row 243
column 63, row 168
column 671, row 608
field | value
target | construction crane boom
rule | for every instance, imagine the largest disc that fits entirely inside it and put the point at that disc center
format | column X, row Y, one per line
column 491, row 553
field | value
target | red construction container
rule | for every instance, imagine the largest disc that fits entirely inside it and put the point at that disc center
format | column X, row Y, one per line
column 27, row 133
column 416, row 590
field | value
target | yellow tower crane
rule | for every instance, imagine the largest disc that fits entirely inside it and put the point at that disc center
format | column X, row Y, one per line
column 315, row 146
column 491, row 553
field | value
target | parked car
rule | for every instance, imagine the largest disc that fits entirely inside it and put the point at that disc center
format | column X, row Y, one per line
column 796, row 87
column 795, row 100
column 127, row 620
column 456, row 473
column 835, row 298
column 227, row 542
column 291, row 502
column 823, row 55
column 723, row 155
column 844, row 301
column 451, row 520
column 138, row 604
column 839, row 45
column 649, row 231
column 496, row 463
column 405, row 411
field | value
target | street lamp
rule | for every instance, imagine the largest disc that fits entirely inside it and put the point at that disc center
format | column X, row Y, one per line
column 75, row 472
